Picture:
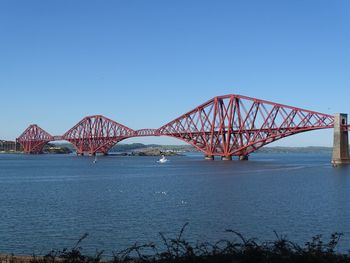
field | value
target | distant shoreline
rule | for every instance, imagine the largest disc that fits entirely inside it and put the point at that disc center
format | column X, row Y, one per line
column 139, row 149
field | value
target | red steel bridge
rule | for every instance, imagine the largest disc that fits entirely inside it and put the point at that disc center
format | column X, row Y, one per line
column 226, row 126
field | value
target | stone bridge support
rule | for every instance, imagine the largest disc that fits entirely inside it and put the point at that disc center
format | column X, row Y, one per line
column 340, row 140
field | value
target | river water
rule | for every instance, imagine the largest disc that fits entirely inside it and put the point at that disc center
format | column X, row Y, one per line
column 50, row 201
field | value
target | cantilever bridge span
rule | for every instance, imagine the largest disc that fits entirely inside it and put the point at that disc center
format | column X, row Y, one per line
column 226, row 126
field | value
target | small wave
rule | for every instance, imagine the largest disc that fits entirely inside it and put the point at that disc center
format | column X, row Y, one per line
column 280, row 169
column 162, row 193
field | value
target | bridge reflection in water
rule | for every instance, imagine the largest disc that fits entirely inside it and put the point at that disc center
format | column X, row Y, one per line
column 226, row 126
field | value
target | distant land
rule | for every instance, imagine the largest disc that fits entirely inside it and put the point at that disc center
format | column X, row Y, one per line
column 139, row 147
column 284, row 149
column 156, row 149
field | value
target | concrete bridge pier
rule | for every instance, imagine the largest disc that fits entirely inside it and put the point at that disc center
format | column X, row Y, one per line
column 209, row 157
column 226, row 158
column 340, row 140
column 243, row 157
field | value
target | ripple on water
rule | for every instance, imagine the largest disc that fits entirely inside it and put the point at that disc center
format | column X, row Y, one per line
column 50, row 201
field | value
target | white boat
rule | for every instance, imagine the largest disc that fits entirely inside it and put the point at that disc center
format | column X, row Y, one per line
column 163, row 159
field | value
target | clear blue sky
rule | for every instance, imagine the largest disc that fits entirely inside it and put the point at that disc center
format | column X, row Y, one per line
column 144, row 63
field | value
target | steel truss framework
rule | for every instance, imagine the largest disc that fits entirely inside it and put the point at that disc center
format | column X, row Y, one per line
column 230, row 125
column 95, row 134
column 33, row 139
column 235, row 125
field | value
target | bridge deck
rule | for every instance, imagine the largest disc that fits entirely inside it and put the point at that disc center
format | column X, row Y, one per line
column 217, row 124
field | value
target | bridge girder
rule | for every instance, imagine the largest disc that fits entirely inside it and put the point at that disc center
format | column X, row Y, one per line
column 33, row 139
column 96, row 134
column 230, row 125
column 235, row 125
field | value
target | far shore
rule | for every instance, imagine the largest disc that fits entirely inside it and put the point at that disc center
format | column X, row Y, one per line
column 138, row 149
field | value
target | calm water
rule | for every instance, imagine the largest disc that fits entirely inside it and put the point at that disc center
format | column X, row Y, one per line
column 49, row 201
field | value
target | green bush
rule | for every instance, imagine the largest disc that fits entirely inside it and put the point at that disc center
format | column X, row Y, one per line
column 178, row 250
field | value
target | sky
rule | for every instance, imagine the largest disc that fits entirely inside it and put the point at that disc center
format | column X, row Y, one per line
column 143, row 63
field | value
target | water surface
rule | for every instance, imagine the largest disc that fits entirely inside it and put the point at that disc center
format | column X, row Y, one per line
column 49, row 201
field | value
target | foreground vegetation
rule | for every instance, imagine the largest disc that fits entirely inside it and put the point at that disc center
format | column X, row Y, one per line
column 237, row 250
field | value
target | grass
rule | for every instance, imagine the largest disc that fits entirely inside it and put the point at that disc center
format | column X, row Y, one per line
column 178, row 250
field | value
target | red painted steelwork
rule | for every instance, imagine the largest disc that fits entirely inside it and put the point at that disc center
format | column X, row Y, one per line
column 238, row 125
column 230, row 125
column 96, row 134
column 33, row 139
column 146, row 132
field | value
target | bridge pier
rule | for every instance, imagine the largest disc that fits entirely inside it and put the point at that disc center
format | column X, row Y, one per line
column 209, row 157
column 243, row 157
column 340, row 140
column 226, row 158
